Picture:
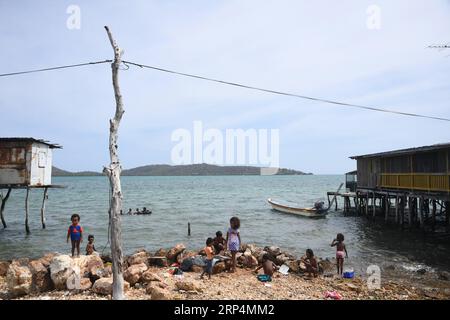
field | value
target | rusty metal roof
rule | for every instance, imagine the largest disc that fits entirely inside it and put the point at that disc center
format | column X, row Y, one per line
column 408, row 151
column 32, row 140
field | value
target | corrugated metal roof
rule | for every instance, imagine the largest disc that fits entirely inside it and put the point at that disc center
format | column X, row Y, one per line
column 32, row 140
column 404, row 151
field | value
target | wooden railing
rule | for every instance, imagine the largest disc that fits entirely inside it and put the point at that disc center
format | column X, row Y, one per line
column 416, row 181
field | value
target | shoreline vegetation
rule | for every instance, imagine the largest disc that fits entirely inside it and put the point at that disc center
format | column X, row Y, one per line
column 157, row 276
column 202, row 169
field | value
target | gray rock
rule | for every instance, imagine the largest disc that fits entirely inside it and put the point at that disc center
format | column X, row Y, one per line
column 18, row 278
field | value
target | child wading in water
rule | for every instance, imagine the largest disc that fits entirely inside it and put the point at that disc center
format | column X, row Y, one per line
column 341, row 252
column 90, row 248
column 209, row 257
column 75, row 233
column 233, row 240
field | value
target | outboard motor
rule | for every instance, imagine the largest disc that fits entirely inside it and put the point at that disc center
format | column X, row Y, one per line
column 319, row 205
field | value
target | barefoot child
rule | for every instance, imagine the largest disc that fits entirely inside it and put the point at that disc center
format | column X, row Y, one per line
column 90, row 248
column 268, row 266
column 75, row 233
column 219, row 242
column 209, row 250
column 310, row 263
column 341, row 252
column 233, row 240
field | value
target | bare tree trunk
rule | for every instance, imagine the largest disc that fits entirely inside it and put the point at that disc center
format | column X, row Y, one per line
column 113, row 172
column 2, row 207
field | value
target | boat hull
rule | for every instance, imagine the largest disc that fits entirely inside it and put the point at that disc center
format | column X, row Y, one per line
column 305, row 212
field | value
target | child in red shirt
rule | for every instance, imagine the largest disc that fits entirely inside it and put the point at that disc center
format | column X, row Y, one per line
column 75, row 233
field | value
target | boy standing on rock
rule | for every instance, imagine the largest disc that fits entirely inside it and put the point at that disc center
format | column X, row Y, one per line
column 75, row 233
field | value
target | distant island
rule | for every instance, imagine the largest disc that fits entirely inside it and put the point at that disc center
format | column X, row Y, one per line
column 181, row 170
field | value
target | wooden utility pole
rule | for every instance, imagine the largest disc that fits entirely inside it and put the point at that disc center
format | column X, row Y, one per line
column 113, row 172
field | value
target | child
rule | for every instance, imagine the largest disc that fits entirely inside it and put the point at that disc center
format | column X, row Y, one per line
column 209, row 258
column 233, row 240
column 341, row 251
column 90, row 248
column 268, row 266
column 219, row 242
column 75, row 233
column 310, row 263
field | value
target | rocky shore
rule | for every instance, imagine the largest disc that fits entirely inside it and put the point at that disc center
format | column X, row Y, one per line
column 157, row 276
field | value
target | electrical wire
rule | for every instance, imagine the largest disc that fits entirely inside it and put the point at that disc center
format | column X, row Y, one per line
column 53, row 68
column 235, row 84
column 285, row 93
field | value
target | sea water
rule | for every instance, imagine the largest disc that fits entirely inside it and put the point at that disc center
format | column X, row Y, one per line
column 207, row 203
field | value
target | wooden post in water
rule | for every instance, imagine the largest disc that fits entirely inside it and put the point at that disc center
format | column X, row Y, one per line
column 2, row 206
column 43, row 208
column 329, row 201
column 386, row 208
column 402, row 211
column 410, row 211
column 421, row 209
column 433, row 215
column 189, row 229
column 367, row 204
column 113, row 172
column 27, row 228
column 374, row 205
column 447, row 215
column 396, row 209
column 426, row 208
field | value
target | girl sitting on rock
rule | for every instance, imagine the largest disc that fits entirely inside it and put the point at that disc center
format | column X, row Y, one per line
column 310, row 263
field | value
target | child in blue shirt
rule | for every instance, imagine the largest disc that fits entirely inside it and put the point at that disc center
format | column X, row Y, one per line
column 75, row 233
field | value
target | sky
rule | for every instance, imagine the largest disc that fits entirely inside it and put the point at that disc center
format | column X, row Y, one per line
column 370, row 53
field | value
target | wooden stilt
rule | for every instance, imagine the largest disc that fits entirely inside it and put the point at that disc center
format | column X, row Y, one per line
column 374, row 206
column 386, row 209
column 396, row 209
column 433, row 216
column 416, row 210
column 2, row 206
column 367, row 204
column 43, row 208
column 447, row 215
column 27, row 228
column 421, row 209
column 402, row 211
column 329, row 202
column 345, row 204
column 426, row 209
column 410, row 211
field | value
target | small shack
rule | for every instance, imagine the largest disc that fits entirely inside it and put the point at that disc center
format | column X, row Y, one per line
column 415, row 178
column 25, row 163
column 424, row 169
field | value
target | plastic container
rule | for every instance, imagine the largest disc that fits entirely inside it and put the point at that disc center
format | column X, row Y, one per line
column 349, row 274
